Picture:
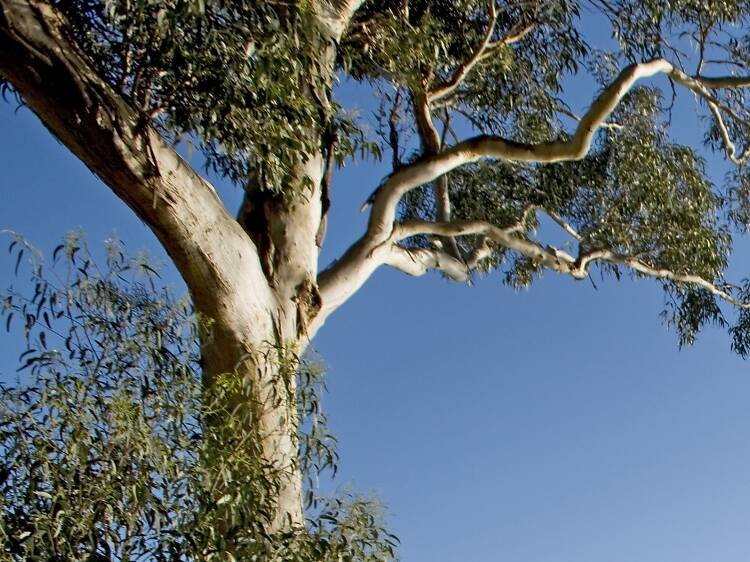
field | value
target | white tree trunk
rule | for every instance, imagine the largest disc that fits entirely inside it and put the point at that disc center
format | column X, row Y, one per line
column 259, row 318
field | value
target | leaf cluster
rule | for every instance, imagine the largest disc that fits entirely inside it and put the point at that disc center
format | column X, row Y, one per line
column 234, row 77
column 110, row 450
column 512, row 88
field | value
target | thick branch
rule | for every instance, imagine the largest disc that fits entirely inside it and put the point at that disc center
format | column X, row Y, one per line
column 215, row 256
column 344, row 277
column 58, row 83
column 385, row 200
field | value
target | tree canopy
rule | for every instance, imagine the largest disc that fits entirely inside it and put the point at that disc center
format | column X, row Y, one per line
column 247, row 83
column 486, row 146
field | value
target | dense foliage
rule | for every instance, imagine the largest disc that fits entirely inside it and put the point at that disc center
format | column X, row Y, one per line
column 105, row 453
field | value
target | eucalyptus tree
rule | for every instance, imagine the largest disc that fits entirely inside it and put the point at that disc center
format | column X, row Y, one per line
column 475, row 118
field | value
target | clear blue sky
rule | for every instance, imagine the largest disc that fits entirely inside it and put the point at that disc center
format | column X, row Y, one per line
column 558, row 424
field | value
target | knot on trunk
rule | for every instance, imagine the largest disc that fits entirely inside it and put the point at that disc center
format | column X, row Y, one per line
column 309, row 303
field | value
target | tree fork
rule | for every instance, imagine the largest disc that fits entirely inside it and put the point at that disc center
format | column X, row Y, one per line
column 250, row 319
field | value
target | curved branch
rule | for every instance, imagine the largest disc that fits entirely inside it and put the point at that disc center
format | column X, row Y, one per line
column 656, row 273
column 557, row 260
column 729, row 147
column 344, row 277
column 385, row 199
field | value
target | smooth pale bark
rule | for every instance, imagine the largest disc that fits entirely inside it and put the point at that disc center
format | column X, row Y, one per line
column 335, row 15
